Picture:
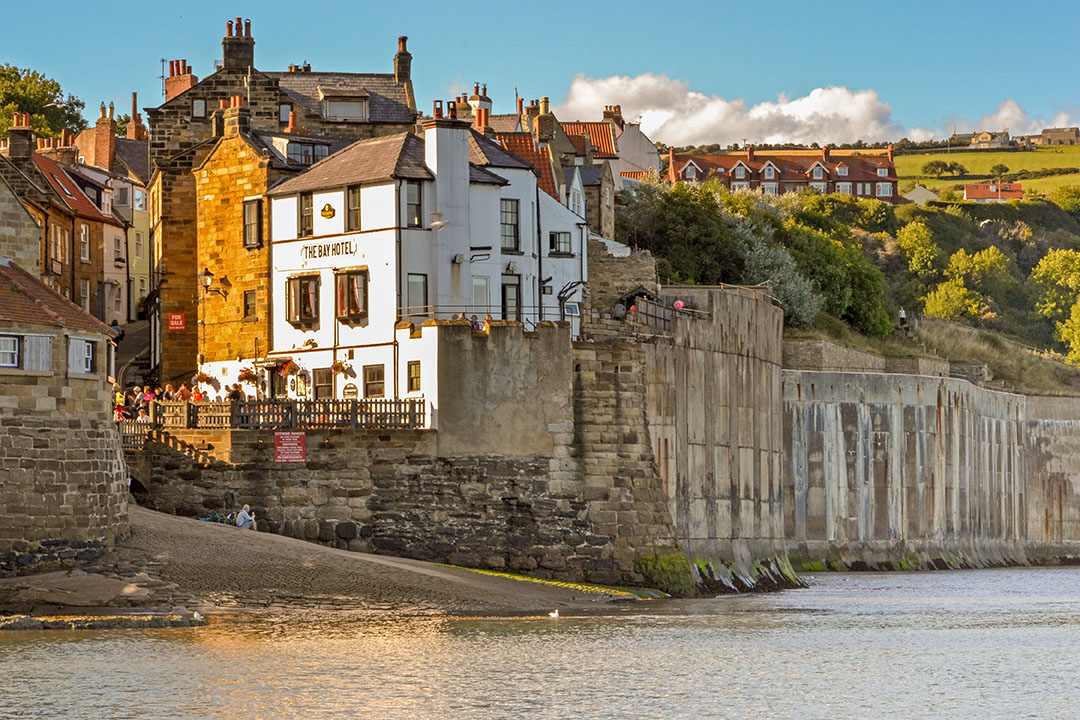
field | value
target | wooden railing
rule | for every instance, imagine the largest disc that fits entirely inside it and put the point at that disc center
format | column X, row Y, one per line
column 367, row 413
column 133, row 433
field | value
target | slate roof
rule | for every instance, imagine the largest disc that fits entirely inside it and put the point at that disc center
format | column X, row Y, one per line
column 601, row 135
column 505, row 123
column 522, row 145
column 24, row 298
column 399, row 156
column 388, row 100
column 135, row 155
column 488, row 153
column 590, row 174
column 480, row 176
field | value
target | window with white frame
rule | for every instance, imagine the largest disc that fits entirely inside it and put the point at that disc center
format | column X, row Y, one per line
column 842, row 171
column 559, row 242
column 305, row 218
column 413, row 207
column 81, row 356
column 142, row 288
column 283, row 112
column 769, row 188
column 509, row 222
column 883, row 172
column 740, row 172
column 884, row 189
column 118, row 300
column 740, row 186
column 843, row 188
column 84, row 242
column 690, row 173
column 9, row 351
column 480, row 294
column 118, row 248
column 87, row 356
column 138, row 245
column 346, row 109
column 819, row 186
column 84, row 294
column 818, row 173
column 770, row 173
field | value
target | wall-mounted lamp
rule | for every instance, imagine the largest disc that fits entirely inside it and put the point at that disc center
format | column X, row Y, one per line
column 437, row 223
column 206, row 279
column 458, row 259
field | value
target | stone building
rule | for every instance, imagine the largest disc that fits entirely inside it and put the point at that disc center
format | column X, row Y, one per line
column 62, row 479
column 339, row 104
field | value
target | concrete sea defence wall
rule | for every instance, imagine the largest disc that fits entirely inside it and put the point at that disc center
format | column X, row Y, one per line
column 889, row 470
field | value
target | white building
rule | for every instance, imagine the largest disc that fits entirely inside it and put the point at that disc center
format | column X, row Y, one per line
column 391, row 232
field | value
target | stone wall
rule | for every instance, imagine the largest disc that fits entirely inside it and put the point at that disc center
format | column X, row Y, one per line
column 63, row 491
column 610, row 277
column 820, row 354
column 19, row 233
column 901, row 471
column 715, row 426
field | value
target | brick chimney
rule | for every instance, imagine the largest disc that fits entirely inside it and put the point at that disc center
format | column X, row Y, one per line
column 179, row 80
column 825, row 153
column 614, row 114
column 104, row 139
column 749, row 152
column 61, row 149
column 135, row 129
column 402, row 61
column 20, row 137
column 238, row 47
column 237, row 117
column 217, row 119
column 890, row 152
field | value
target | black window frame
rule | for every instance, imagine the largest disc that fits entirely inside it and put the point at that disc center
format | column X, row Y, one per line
column 252, row 227
column 342, row 279
column 353, row 213
column 510, row 220
column 368, row 370
column 294, row 287
column 18, row 351
column 305, row 215
column 414, row 211
column 322, row 383
column 250, row 298
column 555, row 243
column 410, row 376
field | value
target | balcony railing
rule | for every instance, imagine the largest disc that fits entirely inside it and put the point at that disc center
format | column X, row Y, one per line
column 366, row 413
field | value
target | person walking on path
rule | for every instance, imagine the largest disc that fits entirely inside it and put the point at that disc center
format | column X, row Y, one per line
column 245, row 519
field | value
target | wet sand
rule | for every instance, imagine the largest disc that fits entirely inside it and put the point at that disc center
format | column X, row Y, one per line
column 170, row 562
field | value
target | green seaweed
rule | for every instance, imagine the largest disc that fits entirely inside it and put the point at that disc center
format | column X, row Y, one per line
column 669, row 572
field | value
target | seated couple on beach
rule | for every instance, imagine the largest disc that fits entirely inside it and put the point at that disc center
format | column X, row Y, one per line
column 245, row 519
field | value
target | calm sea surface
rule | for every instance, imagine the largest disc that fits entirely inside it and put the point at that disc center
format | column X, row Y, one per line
column 975, row 644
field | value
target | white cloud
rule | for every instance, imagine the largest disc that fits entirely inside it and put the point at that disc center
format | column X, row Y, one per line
column 671, row 112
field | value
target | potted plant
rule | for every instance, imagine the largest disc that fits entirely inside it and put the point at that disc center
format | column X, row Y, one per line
column 247, row 375
column 289, row 368
column 340, row 367
column 202, row 377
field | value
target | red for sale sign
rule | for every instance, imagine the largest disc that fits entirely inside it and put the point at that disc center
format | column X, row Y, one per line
column 176, row 321
column 290, row 447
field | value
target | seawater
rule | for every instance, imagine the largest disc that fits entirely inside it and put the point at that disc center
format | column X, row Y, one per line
column 966, row 644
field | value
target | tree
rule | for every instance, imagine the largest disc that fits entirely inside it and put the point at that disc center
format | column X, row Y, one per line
column 29, row 91
column 953, row 301
column 1056, row 280
column 935, row 168
column 122, row 121
column 917, row 243
column 999, row 170
column 1067, row 197
column 957, row 169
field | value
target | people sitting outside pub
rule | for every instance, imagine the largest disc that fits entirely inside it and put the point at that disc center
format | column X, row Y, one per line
column 144, row 416
column 183, row 394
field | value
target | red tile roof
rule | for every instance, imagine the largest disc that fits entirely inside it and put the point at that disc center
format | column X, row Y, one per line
column 522, row 145
column 993, row 191
column 24, row 298
column 793, row 165
column 635, row 174
column 578, row 141
column 601, row 135
column 69, row 192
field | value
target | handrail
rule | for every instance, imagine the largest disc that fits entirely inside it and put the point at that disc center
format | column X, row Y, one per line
column 362, row 413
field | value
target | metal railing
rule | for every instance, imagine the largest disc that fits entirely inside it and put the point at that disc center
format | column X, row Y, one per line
column 365, row 413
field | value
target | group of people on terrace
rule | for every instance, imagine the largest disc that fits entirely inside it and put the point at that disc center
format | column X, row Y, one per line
column 135, row 403
column 475, row 322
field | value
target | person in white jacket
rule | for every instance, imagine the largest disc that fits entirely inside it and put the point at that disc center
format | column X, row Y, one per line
column 245, row 519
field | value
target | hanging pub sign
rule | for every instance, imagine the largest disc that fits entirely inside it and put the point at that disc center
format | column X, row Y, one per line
column 327, row 211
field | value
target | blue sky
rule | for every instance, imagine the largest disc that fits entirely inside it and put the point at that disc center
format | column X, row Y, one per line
column 681, row 66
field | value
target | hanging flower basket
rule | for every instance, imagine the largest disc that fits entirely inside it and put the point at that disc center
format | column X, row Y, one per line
column 248, row 375
column 341, row 367
column 202, row 377
column 289, row 368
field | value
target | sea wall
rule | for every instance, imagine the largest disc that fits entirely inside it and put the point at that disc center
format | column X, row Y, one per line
column 715, row 425
column 890, row 470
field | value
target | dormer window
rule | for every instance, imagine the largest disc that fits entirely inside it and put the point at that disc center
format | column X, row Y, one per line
column 691, row 172
column 883, row 172
column 353, row 109
column 740, row 172
column 306, row 153
column 842, row 171
column 817, row 173
column 770, row 173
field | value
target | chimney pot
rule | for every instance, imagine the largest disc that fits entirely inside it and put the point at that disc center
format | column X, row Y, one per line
column 228, row 29
column 452, row 111
column 476, row 88
column 401, row 42
column 111, row 111
column 545, row 107
column 247, row 28
column 521, row 105
column 222, row 104
column 238, row 27
column 437, row 110
column 483, row 91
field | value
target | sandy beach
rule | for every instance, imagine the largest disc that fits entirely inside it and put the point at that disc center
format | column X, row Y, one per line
column 171, row 562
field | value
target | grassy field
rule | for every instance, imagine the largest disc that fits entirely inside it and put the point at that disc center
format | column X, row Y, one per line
column 909, row 167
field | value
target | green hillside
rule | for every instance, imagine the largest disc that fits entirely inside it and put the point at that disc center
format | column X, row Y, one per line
column 979, row 162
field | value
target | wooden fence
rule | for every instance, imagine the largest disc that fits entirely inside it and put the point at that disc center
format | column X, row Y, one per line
column 367, row 413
